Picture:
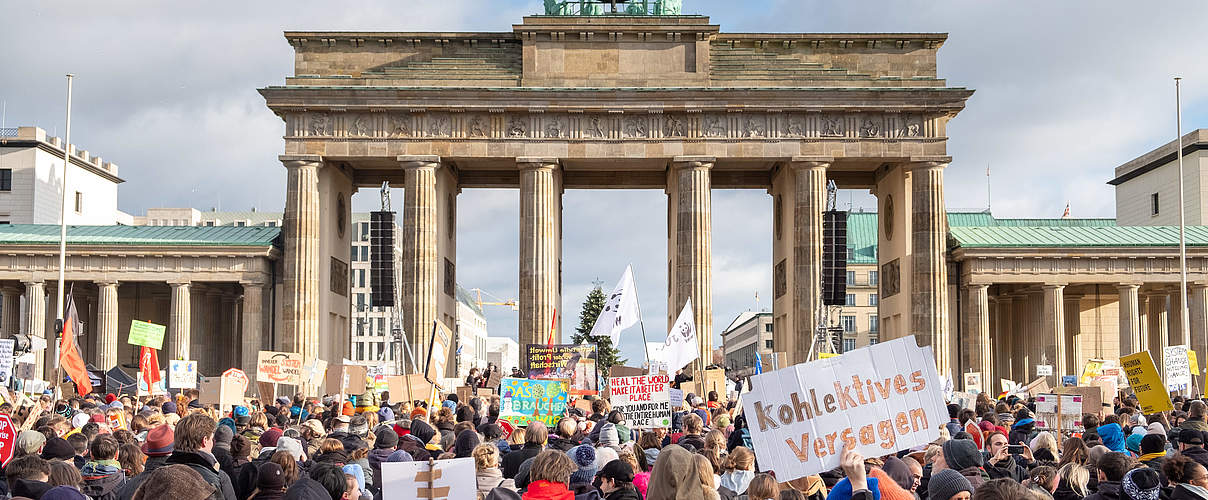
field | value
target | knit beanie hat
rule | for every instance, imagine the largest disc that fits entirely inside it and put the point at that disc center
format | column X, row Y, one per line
column 30, row 441
column 348, row 409
column 400, row 456
column 386, row 438
column 57, row 448
column 465, row 443
column 608, row 435
column 168, row 407
column 961, row 454
column 223, row 436
column 604, row 456
column 583, row 456
column 946, row 483
column 1156, row 428
column 63, row 493
column 422, row 431
column 271, row 477
column 385, row 414
column 356, row 471
column 1152, row 443
column 293, row 446
column 1133, row 442
column 269, row 438
column 1141, row 484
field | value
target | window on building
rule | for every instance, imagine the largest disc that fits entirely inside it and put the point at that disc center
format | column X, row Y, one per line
column 6, row 179
column 1153, row 204
column 848, row 322
column 240, row 223
column 271, row 223
column 365, row 253
column 849, row 345
column 873, row 339
column 768, row 344
column 210, row 223
column 79, row 202
column 361, row 278
column 873, row 323
column 364, row 231
column 851, row 277
column 851, row 299
column 873, row 277
column 767, row 328
column 360, row 351
column 381, row 348
column 851, row 253
column 872, row 299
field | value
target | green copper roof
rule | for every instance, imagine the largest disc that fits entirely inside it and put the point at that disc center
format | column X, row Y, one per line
column 48, row 234
column 1074, row 236
column 862, row 238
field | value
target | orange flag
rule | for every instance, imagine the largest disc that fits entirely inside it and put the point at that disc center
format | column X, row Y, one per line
column 69, row 353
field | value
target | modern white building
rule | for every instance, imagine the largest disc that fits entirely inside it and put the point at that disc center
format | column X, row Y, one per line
column 504, row 353
column 749, row 333
column 1147, row 187
column 31, row 182
column 470, row 334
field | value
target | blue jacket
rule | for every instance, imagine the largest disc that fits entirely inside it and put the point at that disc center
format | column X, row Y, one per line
column 1113, row 436
column 842, row 490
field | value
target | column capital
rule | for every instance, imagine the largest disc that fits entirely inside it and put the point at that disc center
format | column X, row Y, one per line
column 1128, row 286
column 252, row 284
column 926, row 163
column 1053, row 286
column 29, row 283
column 975, row 286
column 811, row 162
column 101, row 283
column 180, row 283
column 528, row 162
column 418, row 161
column 1198, row 286
column 693, row 161
column 296, row 161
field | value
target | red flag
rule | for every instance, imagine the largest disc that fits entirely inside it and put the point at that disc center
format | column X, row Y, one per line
column 148, row 368
column 69, row 353
column 553, row 328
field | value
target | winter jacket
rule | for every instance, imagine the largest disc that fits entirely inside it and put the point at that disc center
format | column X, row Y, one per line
column 247, row 476
column 366, row 471
column 413, row 447
column 127, row 489
column 1188, row 492
column 842, row 491
column 335, row 457
column 694, row 440
column 1021, row 431
column 1108, row 490
column 226, row 462
column 1113, row 436
column 306, row 488
column 268, row 495
column 561, row 444
column 1005, row 468
column 625, row 493
column 1195, row 424
column 585, row 491
column 975, row 475
column 205, row 464
column 376, row 457
column 511, row 461
column 545, row 490
column 1197, row 453
column 641, row 482
column 351, row 441
column 1064, row 492
column 489, row 479
column 102, row 480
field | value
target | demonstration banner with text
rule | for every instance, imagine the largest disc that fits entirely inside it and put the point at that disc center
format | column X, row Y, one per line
column 877, row 400
column 279, row 367
column 644, row 400
column 576, row 363
column 525, row 400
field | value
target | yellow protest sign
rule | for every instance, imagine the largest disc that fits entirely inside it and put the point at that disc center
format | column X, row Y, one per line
column 827, row 355
column 1146, row 383
column 1195, row 362
column 1090, row 371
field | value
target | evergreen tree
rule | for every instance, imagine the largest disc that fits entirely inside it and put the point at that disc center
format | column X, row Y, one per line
column 607, row 353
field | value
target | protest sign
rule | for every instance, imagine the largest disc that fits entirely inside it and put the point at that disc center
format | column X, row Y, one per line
column 345, row 379
column 973, row 382
column 182, row 374
column 645, row 400
column 146, row 334
column 279, row 367
column 1146, row 383
column 676, row 397
column 827, row 355
column 438, row 480
column 1178, row 368
column 267, row 392
column 876, row 400
column 413, row 387
column 239, row 377
column 464, row 393
column 715, row 380
column 438, row 352
column 1194, row 361
column 7, row 346
column 525, row 400
column 1091, row 370
column 1093, row 398
column 315, row 372
column 680, row 347
column 25, row 371
column 1044, row 370
column 1069, row 380
column 1038, row 386
column 688, row 388
column 576, row 363
column 965, row 400
column 223, row 391
column 8, row 439
column 485, row 392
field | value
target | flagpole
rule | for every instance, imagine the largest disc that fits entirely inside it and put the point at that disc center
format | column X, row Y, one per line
column 63, row 233
column 641, row 322
column 1185, row 334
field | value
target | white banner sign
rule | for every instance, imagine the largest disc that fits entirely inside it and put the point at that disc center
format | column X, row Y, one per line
column 680, row 347
column 645, row 400
column 620, row 310
column 1044, row 370
column 877, row 400
column 1178, row 368
column 452, row 478
column 182, row 374
column 6, row 360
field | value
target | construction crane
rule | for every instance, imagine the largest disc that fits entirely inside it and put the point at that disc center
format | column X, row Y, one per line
column 493, row 300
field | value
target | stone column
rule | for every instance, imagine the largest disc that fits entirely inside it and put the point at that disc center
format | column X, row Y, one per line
column 11, row 320
column 1159, row 336
column 1054, row 330
column 929, row 274
column 35, row 321
column 1175, row 316
column 1004, row 348
column 976, row 345
column 1130, row 318
column 230, row 331
column 540, row 248
column 810, row 202
column 106, row 318
column 252, row 338
column 693, row 215
column 1198, row 320
column 300, row 233
column 419, row 274
column 180, row 321
column 1074, row 352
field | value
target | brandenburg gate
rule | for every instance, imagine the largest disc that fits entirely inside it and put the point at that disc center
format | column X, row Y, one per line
column 581, row 98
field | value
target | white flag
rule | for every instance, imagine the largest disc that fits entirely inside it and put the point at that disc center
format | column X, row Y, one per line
column 620, row 311
column 680, row 348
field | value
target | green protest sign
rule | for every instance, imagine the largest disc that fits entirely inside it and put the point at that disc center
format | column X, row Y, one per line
column 147, row 334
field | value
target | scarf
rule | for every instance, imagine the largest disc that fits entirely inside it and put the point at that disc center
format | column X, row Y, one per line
column 1022, row 422
column 1150, row 456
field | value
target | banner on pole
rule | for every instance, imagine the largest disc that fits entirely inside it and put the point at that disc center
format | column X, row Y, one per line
column 525, row 400
column 576, row 363
column 680, row 347
column 146, row 334
column 438, row 353
column 182, row 374
column 973, row 382
column 439, row 480
column 645, row 400
column 279, row 367
column 1146, row 383
column 1178, row 368
column 620, row 310
column 876, row 400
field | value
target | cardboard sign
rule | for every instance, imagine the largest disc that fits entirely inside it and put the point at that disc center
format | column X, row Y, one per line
column 315, row 372
column 525, row 400
column 1038, row 386
column 973, row 382
column 279, row 367
column 574, row 362
column 25, row 371
column 464, row 393
column 146, row 334
column 485, row 392
column 443, row 479
column 267, row 393
column 494, row 380
column 1178, row 368
column 419, row 390
column 876, row 400
column 966, row 400
column 715, row 380
column 1092, row 398
column 645, row 400
column 624, row 371
column 222, row 391
column 689, row 388
column 438, row 352
column 8, row 439
column 239, row 377
column 1146, row 383
column 182, row 374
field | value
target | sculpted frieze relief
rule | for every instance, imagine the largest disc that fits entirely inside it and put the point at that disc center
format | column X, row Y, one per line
column 426, row 124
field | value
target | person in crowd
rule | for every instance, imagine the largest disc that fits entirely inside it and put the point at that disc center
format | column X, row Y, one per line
column 1197, row 417
column 962, row 456
column 564, row 433
column 194, row 439
column 738, row 470
column 487, row 472
column 1188, row 479
column 103, row 474
column 693, row 426
column 1112, row 468
column 549, row 476
column 175, row 482
column 676, row 475
column 1072, row 479
column 535, row 437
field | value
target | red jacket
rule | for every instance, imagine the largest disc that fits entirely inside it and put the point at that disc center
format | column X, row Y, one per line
column 545, row 490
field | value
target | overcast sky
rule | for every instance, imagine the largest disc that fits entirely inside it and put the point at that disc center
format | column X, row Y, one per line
column 1066, row 91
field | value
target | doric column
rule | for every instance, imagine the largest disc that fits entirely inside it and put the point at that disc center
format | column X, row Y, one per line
column 1004, row 348
column 252, row 339
column 35, row 320
column 230, row 331
column 1175, row 317
column 300, row 231
column 929, row 274
column 693, row 227
column 1053, row 335
column 420, row 286
column 1130, row 318
column 1159, row 336
column 1198, row 320
column 810, row 201
column 540, row 247
column 106, row 318
column 11, row 319
column 976, row 345
column 1075, row 350
column 180, row 321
